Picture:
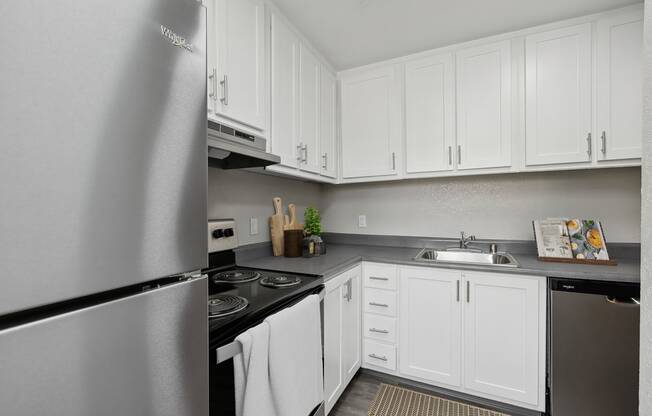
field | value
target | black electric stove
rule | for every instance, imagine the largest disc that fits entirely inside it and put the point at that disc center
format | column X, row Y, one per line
column 241, row 298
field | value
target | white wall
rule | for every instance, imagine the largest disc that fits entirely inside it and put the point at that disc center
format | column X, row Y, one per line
column 241, row 195
column 497, row 206
column 645, row 391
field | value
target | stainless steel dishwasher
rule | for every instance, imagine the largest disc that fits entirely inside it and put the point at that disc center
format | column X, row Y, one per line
column 593, row 348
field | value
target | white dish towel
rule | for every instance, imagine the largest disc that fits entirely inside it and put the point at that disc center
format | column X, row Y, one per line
column 253, row 396
column 295, row 358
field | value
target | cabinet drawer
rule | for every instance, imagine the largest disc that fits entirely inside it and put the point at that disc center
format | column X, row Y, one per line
column 380, row 301
column 380, row 327
column 381, row 276
column 380, row 355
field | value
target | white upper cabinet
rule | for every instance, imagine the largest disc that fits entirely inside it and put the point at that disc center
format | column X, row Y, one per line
column 619, row 86
column 484, row 95
column 429, row 114
column 430, row 325
column 309, row 89
column 504, row 337
column 371, row 122
column 558, row 96
column 238, row 84
column 284, row 92
column 328, row 124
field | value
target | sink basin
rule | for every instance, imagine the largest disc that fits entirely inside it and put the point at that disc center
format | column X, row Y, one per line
column 466, row 257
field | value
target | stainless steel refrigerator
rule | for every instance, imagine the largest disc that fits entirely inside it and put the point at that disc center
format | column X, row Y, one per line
column 103, row 164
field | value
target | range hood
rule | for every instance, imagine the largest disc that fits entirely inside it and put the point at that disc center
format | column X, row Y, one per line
column 232, row 149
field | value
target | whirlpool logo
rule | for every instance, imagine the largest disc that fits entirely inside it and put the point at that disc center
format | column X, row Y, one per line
column 175, row 39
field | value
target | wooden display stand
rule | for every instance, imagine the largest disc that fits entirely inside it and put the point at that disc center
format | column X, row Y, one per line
column 579, row 261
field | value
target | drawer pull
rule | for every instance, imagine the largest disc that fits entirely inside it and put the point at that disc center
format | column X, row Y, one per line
column 380, row 331
column 378, row 278
column 382, row 305
column 378, row 357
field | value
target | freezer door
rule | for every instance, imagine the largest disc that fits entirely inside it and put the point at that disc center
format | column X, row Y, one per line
column 143, row 355
column 103, row 145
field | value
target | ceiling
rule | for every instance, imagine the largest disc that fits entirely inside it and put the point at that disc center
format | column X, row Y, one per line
column 350, row 33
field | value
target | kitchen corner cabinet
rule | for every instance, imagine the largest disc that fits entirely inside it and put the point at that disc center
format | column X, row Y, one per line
column 328, row 125
column 484, row 106
column 429, row 114
column 558, row 96
column 619, row 85
column 371, row 122
column 342, row 323
column 236, row 61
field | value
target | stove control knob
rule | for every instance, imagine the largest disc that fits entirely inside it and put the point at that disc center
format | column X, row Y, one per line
column 219, row 233
column 228, row 232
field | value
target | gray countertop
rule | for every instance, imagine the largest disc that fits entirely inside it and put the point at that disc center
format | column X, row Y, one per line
column 343, row 256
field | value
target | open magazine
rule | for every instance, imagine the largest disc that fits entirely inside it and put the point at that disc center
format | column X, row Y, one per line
column 570, row 239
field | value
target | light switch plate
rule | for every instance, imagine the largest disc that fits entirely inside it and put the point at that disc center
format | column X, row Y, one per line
column 362, row 221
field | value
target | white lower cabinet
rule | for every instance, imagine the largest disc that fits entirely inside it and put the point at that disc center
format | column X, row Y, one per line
column 504, row 337
column 479, row 333
column 430, row 321
column 342, row 333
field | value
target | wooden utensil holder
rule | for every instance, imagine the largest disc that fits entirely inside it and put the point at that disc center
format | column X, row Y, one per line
column 293, row 240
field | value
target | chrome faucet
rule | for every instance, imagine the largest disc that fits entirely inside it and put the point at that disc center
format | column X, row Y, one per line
column 464, row 240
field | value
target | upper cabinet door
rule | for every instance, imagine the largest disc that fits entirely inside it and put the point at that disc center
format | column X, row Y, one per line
column 429, row 114
column 484, row 88
column 503, row 331
column 371, row 123
column 284, row 92
column 558, row 96
column 619, row 86
column 328, row 124
column 241, row 61
column 309, row 87
column 211, row 56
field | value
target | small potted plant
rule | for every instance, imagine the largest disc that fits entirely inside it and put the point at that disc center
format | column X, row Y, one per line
column 313, row 245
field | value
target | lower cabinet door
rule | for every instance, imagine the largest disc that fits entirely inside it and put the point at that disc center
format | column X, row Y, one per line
column 333, row 377
column 430, row 322
column 502, row 336
column 351, row 323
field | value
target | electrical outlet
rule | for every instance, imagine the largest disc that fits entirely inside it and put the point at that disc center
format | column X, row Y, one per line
column 362, row 221
column 253, row 226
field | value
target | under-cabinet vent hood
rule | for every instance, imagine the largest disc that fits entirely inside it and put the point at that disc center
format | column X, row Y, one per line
column 232, row 149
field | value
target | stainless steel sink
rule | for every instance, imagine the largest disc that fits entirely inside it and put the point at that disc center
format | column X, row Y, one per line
column 461, row 256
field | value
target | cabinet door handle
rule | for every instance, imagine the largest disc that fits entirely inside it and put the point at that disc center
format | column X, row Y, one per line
column 588, row 145
column 458, row 290
column 378, row 357
column 604, row 143
column 393, row 161
column 325, row 158
column 380, row 331
column 350, row 283
column 382, row 305
column 305, row 153
column 468, row 292
column 225, row 90
column 450, row 155
column 459, row 154
column 378, row 278
column 213, row 81
column 299, row 152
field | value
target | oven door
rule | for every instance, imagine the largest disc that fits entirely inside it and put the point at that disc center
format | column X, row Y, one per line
column 222, row 388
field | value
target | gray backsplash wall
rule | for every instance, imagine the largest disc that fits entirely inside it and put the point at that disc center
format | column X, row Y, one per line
column 496, row 206
column 241, row 195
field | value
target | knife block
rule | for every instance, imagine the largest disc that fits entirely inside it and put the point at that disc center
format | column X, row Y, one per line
column 293, row 242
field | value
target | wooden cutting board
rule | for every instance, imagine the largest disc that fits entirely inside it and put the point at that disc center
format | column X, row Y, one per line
column 276, row 226
column 293, row 224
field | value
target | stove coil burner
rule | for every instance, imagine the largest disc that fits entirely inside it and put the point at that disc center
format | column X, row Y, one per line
column 224, row 305
column 280, row 281
column 236, row 276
